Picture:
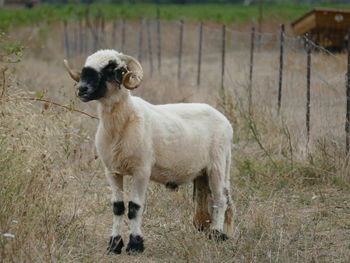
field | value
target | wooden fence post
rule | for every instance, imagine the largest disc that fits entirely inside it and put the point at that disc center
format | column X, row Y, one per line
column 347, row 123
column 179, row 55
column 159, row 48
column 150, row 56
column 308, row 82
column 199, row 53
column 280, row 76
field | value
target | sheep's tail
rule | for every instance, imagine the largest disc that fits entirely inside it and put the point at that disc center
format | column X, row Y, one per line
column 201, row 198
column 228, row 223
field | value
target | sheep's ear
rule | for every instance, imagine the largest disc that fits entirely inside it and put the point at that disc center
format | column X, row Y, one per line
column 119, row 75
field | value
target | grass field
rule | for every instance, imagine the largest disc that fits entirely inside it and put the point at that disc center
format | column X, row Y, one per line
column 292, row 203
column 210, row 12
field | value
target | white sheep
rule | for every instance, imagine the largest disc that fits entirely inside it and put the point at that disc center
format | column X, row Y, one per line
column 171, row 144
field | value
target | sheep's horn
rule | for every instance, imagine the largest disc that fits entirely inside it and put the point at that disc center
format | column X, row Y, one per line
column 75, row 75
column 133, row 78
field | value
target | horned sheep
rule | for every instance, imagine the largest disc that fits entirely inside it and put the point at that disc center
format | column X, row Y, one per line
column 171, row 144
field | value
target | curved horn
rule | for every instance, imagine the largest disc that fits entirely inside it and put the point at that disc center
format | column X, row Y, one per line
column 75, row 75
column 133, row 77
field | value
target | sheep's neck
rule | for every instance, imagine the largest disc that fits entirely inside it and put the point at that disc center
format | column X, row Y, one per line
column 114, row 116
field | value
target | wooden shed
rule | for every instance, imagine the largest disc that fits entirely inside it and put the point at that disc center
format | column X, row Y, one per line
column 327, row 27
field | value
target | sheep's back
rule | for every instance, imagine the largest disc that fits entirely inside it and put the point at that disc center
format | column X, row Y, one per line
column 187, row 136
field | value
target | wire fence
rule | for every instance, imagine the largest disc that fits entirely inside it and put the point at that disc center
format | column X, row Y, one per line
column 299, row 80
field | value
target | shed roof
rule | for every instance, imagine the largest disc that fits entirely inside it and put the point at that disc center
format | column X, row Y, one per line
column 319, row 18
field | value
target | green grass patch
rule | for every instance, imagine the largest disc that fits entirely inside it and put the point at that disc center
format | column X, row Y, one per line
column 223, row 13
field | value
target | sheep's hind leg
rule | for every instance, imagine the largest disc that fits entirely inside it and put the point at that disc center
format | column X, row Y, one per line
column 116, row 182
column 228, row 223
column 136, row 205
column 216, row 176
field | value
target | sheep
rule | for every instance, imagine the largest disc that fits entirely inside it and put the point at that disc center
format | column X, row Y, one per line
column 171, row 144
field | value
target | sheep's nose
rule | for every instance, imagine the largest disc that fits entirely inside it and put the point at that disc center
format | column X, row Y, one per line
column 83, row 89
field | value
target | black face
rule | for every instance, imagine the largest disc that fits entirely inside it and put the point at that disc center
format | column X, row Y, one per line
column 93, row 84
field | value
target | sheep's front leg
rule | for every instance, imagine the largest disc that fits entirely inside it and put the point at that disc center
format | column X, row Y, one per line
column 135, row 209
column 116, row 182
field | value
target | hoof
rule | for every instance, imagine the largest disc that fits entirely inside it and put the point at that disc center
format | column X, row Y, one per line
column 217, row 236
column 135, row 245
column 115, row 245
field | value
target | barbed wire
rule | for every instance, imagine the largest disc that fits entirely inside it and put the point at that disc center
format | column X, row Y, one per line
column 265, row 43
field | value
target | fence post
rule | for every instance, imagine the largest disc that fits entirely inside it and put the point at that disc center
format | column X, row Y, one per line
column 223, row 57
column 251, row 64
column 75, row 38
column 81, row 36
column 103, row 35
column 159, row 48
column 150, row 56
column 199, row 53
column 96, row 37
column 114, row 33
column 139, row 57
column 122, row 45
column 347, row 123
column 66, row 39
column 86, row 45
column 308, row 82
column 179, row 55
column 280, row 76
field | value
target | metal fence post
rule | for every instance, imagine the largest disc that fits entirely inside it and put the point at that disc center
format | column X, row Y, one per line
column 159, row 48
column 150, row 56
column 179, row 55
column 97, row 33
column 114, row 32
column 81, row 36
column 75, row 37
column 251, row 65
column 308, row 82
column 103, row 35
column 347, row 123
column 223, row 56
column 280, row 76
column 139, row 57
column 66, row 39
column 199, row 53
column 122, row 45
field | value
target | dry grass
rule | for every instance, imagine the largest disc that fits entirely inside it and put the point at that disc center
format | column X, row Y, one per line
column 291, row 202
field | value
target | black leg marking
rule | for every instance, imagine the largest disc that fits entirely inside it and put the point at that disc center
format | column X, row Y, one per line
column 135, row 244
column 217, row 236
column 118, row 208
column 171, row 186
column 227, row 196
column 115, row 245
column 133, row 208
